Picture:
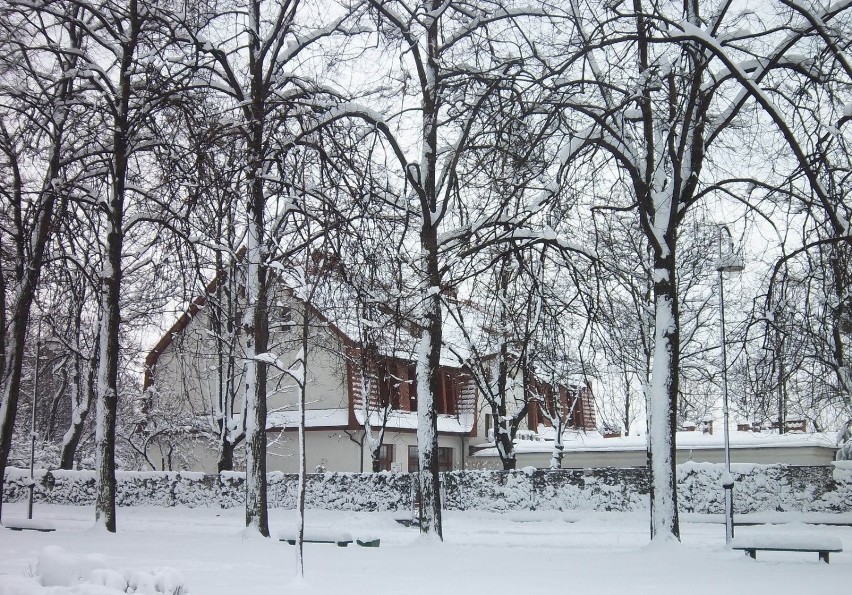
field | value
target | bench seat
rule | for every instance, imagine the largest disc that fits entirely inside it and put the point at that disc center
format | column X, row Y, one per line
column 821, row 544
column 341, row 538
column 29, row 525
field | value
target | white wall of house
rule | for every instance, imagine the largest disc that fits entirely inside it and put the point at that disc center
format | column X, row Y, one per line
column 188, row 366
column 333, row 451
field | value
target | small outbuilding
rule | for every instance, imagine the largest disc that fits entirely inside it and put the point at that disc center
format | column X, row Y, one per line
column 591, row 449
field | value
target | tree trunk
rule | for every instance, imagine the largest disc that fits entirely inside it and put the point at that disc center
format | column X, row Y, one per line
column 256, row 504
column 302, row 383
column 12, row 377
column 226, row 456
column 510, row 462
column 256, row 312
column 662, row 411
column 428, row 365
column 111, row 279
column 429, row 355
column 107, row 391
column 80, row 411
column 502, row 426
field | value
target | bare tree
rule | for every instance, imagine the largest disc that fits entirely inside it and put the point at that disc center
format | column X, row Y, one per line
column 453, row 64
column 659, row 115
column 34, row 119
column 257, row 73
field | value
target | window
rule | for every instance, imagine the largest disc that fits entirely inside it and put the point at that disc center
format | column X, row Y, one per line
column 445, row 396
column 389, row 384
column 490, row 426
column 285, row 319
column 385, row 457
column 413, row 460
column 444, row 455
column 445, row 458
column 412, row 387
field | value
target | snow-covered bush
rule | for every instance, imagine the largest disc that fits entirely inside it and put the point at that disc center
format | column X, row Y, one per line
column 93, row 574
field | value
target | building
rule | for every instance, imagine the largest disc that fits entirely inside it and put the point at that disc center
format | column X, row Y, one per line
column 187, row 367
column 591, row 449
column 360, row 380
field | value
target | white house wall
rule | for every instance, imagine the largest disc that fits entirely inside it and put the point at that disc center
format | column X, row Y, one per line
column 331, row 450
column 186, row 371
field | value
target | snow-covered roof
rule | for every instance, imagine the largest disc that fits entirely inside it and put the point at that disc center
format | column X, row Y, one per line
column 595, row 442
column 397, row 420
column 314, row 418
column 405, row 420
column 393, row 329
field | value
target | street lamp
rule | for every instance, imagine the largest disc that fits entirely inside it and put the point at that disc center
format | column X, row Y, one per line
column 33, row 434
column 729, row 262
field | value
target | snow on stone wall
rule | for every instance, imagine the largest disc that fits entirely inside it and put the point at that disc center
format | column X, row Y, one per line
column 330, row 491
column 488, row 490
column 544, row 489
column 759, row 488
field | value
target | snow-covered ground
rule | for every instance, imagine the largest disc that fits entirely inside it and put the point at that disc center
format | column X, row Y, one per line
column 529, row 552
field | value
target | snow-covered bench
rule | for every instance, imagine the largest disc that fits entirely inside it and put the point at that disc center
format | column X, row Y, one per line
column 29, row 525
column 341, row 538
column 821, row 544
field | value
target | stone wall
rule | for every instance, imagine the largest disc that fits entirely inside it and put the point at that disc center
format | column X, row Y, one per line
column 759, row 488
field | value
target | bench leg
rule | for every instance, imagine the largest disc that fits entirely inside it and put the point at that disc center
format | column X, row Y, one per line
column 823, row 556
column 752, row 553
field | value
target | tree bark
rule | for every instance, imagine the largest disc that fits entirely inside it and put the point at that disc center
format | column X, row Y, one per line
column 226, row 456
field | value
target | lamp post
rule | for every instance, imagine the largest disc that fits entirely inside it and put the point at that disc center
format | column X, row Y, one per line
column 729, row 262
column 33, row 432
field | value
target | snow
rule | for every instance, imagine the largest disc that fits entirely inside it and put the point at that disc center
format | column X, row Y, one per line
column 92, row 574
column 203, row 548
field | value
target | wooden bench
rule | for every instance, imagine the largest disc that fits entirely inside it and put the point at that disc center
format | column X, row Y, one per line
column 820, row 544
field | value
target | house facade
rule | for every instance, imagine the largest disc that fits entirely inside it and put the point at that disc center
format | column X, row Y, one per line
column 349, row 398
column 353, row 395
